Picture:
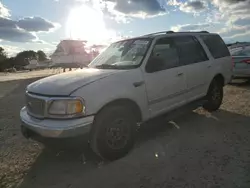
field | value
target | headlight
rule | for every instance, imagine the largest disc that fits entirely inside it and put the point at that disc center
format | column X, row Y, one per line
column 66, row 107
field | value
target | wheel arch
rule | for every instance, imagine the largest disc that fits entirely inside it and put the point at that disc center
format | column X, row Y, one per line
column 220, row 78
column 123, row 101
column 127, row 103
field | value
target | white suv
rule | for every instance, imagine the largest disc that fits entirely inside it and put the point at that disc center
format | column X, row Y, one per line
column 132, row 81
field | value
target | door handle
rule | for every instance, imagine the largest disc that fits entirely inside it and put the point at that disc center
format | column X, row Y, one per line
column 137, row 84
column 179, row 74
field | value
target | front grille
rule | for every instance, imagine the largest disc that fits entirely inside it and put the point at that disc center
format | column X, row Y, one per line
column 36, row 106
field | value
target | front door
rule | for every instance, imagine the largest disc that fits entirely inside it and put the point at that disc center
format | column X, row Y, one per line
column 164, row 78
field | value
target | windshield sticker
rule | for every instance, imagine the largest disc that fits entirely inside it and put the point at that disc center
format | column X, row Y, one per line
column 141, row 42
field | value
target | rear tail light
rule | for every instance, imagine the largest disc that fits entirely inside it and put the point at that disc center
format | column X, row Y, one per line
column 233, row 62
column 246, row 61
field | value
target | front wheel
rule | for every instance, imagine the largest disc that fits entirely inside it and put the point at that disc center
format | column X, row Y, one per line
column 113, row 132
column 214, row 96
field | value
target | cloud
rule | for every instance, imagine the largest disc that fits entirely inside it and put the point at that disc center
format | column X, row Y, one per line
column 242, row 21
column 191, row 27
column 123, row 10
column 174, row 3
column 36, row 24
column 9, row 31
column 235, row 32
column 237, row 27
column 138, row 7
column 193, row 6
column 4, row 12
column 11, row 50
column 239, row 35
column 233, row 7
column 16, row 35
column 22, row 30
column 236, row 14
column 6, row 22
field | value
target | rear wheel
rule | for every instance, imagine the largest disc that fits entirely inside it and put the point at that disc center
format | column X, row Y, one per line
column 214, row 96
column 113, row 132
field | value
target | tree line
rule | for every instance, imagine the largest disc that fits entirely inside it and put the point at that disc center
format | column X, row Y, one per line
column 20, row 60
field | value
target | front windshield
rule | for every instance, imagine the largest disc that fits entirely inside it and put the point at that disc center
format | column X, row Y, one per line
column 122, row 54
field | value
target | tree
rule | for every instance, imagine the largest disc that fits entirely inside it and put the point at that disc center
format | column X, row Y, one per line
column 41, row 55
column 23, row 58
column 3, row 57
column 3, row 54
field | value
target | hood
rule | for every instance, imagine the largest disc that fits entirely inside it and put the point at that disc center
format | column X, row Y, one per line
column 65, row 83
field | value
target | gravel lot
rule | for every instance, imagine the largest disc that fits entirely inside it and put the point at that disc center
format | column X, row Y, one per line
column 199, row 150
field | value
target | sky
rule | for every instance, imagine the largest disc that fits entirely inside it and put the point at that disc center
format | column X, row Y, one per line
column 42, row 24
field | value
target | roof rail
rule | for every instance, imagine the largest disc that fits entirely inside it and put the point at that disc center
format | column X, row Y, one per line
column 204, row 32
column 170, row 32
column 192, row 32
column 161, row 32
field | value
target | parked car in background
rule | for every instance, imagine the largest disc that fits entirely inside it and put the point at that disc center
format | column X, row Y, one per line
column 241, row 59
column 132, row 81
column 13, row 69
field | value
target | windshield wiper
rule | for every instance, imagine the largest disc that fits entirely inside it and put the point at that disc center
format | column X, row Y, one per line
column 107, row 66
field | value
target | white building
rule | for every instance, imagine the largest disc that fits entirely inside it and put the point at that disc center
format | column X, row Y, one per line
column 34, row 64
column 72, row 53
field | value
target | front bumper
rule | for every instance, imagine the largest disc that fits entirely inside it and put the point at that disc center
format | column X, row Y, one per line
column 56, row 128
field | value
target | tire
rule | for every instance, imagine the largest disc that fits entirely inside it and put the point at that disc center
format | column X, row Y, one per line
column 113, row 133
column 25, row 132
column 214, row 96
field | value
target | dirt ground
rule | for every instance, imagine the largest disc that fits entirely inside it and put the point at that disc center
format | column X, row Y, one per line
column 198, row 150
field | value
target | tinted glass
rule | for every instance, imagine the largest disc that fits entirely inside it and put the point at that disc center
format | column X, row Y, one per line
column 190, row 50
column 216, row 46
column 164, row 56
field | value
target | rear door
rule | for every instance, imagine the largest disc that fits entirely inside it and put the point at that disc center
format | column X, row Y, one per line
column 197, row 65
column 221, row 58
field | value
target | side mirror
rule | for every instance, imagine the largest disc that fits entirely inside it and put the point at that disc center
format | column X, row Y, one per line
column 155, row 63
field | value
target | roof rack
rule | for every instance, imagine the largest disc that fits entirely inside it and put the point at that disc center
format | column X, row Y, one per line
column 193, row 32
column 171, row 32
column 158, row 33
column 204, row 32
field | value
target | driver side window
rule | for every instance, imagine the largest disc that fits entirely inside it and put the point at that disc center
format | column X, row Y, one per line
column 164, row 56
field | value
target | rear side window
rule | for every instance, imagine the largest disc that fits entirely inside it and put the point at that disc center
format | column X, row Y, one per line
column 216, row 46
column 190, row 50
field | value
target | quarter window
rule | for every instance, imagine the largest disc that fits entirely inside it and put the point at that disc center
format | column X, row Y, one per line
column 216, row 46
